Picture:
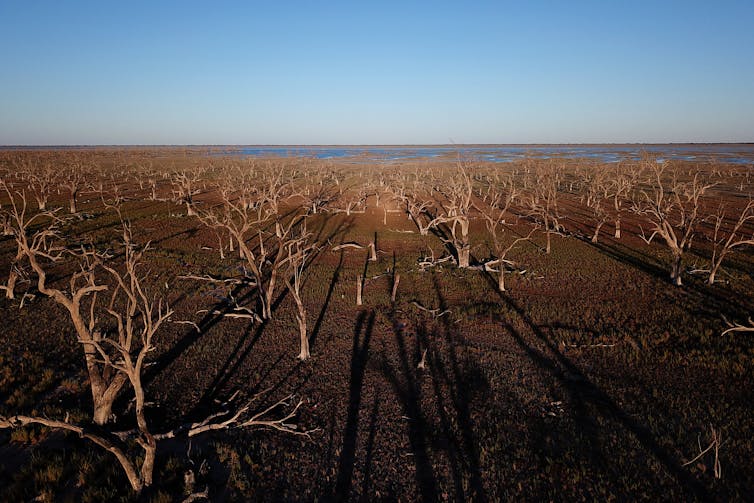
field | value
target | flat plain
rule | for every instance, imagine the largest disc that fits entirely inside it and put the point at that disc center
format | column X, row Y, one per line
column 453, row 328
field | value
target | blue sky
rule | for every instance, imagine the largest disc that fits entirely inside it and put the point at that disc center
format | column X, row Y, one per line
column 375, row 72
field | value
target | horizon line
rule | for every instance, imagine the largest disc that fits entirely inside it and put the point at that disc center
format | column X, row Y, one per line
column 311, row 145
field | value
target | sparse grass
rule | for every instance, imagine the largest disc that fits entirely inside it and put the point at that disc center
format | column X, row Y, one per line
column 590, row 378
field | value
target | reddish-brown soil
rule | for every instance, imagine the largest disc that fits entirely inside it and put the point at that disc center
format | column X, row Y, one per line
column 592, row 377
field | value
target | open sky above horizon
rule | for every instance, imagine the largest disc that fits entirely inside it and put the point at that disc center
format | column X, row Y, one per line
column 378, row 73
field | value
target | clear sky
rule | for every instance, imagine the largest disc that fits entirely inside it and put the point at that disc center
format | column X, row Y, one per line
column 131, row 72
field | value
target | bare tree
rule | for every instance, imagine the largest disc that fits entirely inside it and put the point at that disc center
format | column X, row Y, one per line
column 726, row 239
column 672, row 209
column 453, row 213
column 247, row 222
column 34, row 243
column 138, row 318
column 74, row 180
column 19, row 222
column 594, row 197
column 543, row 203
column 499, row 204
column 41, row 181
column 185, row 187
column 620, row 186
column 298, row 253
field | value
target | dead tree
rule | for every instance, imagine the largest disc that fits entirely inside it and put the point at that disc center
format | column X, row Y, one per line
column 417, row 209
column 19, row 222
column 74, row 180
column 35, row 246
column 298, row 253
column 499, row 204
column 725, row 240
column 453, row 214
column 138, row 317
column 41, row 181
column 543, row 203
column 264, row 251
column 594, row 198
column 620, row 186
column 185, row 187
column 671, row 207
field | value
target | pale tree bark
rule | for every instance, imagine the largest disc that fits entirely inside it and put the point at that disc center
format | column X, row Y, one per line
column 727, row 238
column 138, row 319
column 34, row 246
column 454, row 214
column 672, row 209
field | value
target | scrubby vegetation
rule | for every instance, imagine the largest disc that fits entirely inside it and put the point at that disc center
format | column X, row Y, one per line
column 178, row 324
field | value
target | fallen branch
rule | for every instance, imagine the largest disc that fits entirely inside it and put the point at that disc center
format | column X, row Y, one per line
column 737, row 327
column 348, row 245
column 434, row 312
column 188, row 322
column 232, row 281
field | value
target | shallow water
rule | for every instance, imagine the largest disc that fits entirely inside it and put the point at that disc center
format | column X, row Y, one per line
column 727, row 153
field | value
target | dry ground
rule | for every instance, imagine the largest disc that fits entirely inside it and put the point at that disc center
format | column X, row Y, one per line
column 591, row 378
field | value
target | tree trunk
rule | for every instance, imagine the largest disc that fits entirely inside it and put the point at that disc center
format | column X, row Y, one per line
column 617, row 229
column 464, row 253
column 547, row 246
column 11, row 285
column 711, row 279
column 675, row 271
column 359, row 287
column 147, row 467
column 103, row 410
column 597, row 232
column 501, row 277
column 73, row 207
column 301, row 318
column 190, row 209
column 713, row 272
column 103, row 393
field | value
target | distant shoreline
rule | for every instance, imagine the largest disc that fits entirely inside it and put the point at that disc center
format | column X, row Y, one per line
column 368, row 146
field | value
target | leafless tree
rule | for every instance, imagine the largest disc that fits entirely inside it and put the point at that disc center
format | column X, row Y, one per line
column 671, row 207
column 595, row 197
column 299, row 250
column 726, row 238
column 542, row 202
column 34, row 244
column 453, row 213
column 498, row 206
column 138, row 317
column 19, row 222
column 185, row 187
column 74, row 180
column 247, row 222
column 620, row 185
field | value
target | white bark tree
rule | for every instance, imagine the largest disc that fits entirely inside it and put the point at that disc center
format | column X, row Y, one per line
column 725, row 238
column 671, row 207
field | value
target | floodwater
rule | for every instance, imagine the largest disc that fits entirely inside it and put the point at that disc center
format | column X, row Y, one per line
column 725, row 153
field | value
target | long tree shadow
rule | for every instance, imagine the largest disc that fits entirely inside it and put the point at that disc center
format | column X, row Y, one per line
column 712, row 301
column 583, row 393
column 366, row 483
column 236, row 359
column 359, row 357
column 217, row 313
column 405, row 383
column 321, row 317
column 462, row 383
